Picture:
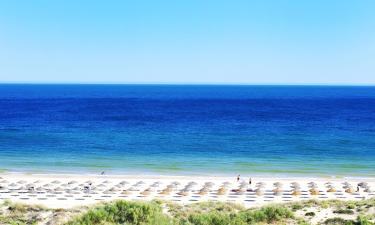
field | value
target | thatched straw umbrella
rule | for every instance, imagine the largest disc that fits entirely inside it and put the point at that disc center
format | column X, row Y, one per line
column 277, row 191
column 331, row 189
column 209, row 184
column 58, row 189
column 328, row 183
column 40, row 189
column 314, row 191
column 76, row 189
column 278, row 184
column 132, row 188
column 259, row 191
column 363, row 184
column 368, row 189
column 176, row 183
column 222, row 191
column 139, row 183
column 114, row 189
column 124, row 182
column 260, row 184
column 203, row 191
column 166, row 191
column 183, row 193
column 13, row 185
column 296, row 192
column 349, row 190
column 126, row 192
column 146, row 192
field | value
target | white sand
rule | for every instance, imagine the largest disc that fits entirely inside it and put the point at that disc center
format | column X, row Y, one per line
column 69, row 195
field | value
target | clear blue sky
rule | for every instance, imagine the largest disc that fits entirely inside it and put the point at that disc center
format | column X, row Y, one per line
column 191, row 41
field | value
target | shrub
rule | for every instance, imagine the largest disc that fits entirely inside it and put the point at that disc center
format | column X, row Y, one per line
column 344, row 211
column 310, row 214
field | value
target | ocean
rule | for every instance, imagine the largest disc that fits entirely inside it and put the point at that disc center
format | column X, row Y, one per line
column 188, row 129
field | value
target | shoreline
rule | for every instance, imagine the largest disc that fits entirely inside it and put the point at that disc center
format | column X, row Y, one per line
column 187, row 176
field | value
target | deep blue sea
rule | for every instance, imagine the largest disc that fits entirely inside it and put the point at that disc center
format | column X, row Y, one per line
column 188, row 130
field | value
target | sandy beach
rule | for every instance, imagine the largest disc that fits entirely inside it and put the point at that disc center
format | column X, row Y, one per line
column 70, row 190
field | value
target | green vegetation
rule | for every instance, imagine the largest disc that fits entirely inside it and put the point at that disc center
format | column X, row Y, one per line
column 344, row 211
column 310, row 214
column 205, row 213
column 140, row 213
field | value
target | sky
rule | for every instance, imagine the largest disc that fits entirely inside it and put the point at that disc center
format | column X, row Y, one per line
column 188, row 41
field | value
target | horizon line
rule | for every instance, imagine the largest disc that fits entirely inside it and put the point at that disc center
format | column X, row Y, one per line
column 188, row 83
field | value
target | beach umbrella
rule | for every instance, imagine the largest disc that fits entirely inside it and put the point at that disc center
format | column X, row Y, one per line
column 13, row 185
column 72, row 182
column 222, row 191
column 30, row 185
column 124, row 182
column 328, row 183
column 114, row 189
column 314, row 191
column 368, row 189
column 55, row 182
column 331, row 189
column 296, row 192
column 166, row 191
column 39, row 189
column 259, row 191
column 183, row 193
column 349, row 190
column 203, row 191
column 139, row 183
column 146, row 192
column 277, row 191
column 106, row 182
column 260, row 184
column 192, row 183
column 278, row 184
column 363, row 184
column 102, row 185
column 76, row 189
column 209, row 184
column 176, row 183
column 132, row 189
column 58, row 189
column 156, row 184
column 4, row 181
column 37, row 182
column 125, row 192
column 22, row 182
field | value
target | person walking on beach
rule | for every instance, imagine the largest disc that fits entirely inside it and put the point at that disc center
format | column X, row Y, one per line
column 250, row 181
column 238, row 178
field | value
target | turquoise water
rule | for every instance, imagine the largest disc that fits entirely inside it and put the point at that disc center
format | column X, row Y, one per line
column 185, row 130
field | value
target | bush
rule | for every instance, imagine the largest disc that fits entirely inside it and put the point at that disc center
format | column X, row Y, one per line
column 122, row 212
column 344, row 211
column 310, row 214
